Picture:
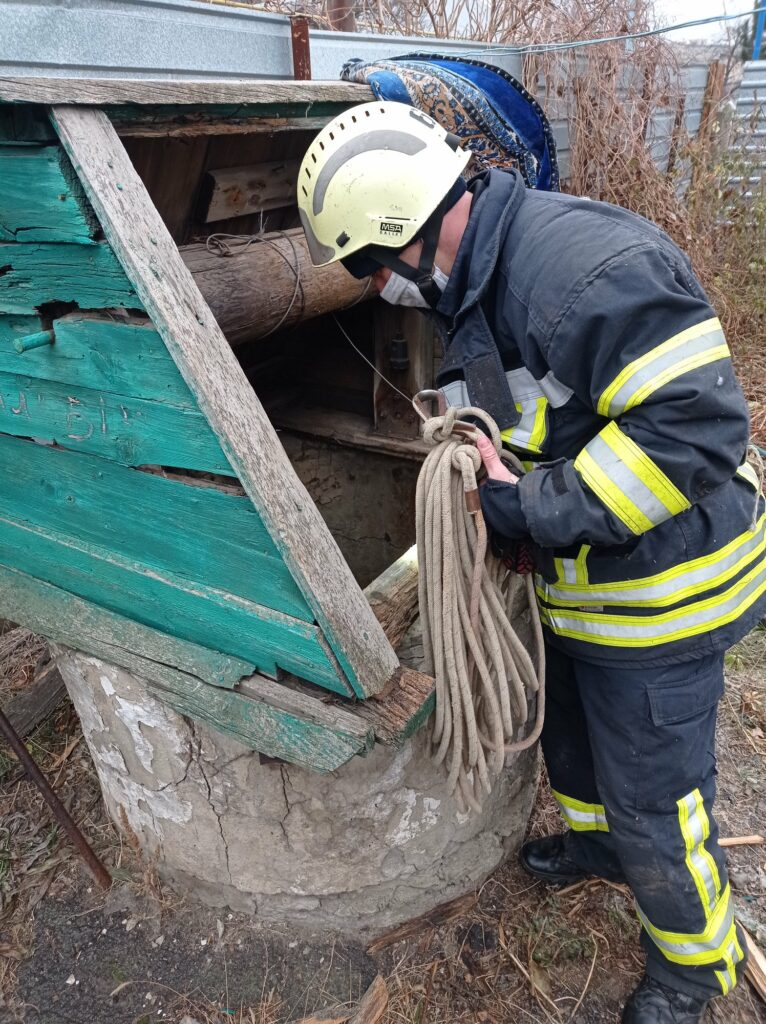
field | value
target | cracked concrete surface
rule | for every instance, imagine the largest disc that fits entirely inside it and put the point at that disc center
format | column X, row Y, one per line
column 359, row 850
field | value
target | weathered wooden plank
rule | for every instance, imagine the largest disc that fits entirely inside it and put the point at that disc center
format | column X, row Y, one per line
column 403, row 708
column 40, row 199
column 66, row 618
column 90, row 275
column 31, row 706
column 120, row 354
column 198, row 533
column 128, row 430
column 188, row 610
column 318, row 742
column 235, row 191
column 181, row 673
column 209, row 367
column 192, row 123
column 265, row 93
column 346, row 428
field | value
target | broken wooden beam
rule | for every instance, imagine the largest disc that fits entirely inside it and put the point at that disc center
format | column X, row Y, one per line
column 755, row 970
column 393, row 596
column 255, row 287
column 236, row 191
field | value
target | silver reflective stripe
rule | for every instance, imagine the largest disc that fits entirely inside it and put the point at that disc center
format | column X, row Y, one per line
column 658, row 367
column 583, row 817
column 707, row 947
column 569, row 570
column 522, row 384
column 456, row 394
column 625, row 480
column 695, row 833
column 648, row 628
column 558, row 394
column 667, row 589
column 728, row 978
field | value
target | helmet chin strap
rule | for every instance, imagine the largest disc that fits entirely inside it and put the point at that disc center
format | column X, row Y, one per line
column 422, row 275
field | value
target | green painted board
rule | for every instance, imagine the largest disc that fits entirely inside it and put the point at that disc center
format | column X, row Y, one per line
column 123, row 355
column 13, row 327
column 131, row 431
column 178, row 672
column 35, row 273
column 68, row 619
column 164, row 601
column 41, row 199
column 198, row 533
column 279, row 733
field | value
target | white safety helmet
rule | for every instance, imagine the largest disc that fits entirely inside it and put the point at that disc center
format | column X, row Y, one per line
column 371, row 180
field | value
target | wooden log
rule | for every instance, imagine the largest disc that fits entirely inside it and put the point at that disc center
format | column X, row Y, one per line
column 374, row 1003
column 235, row 191
column 255, row 290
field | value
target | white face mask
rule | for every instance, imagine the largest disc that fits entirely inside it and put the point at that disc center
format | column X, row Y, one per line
column 400, row 291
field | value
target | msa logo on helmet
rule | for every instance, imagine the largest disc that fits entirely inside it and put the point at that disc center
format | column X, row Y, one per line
column 391, row 229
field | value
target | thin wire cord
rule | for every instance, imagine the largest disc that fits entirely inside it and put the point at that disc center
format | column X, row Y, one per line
column 576, row 44
column 407, row 398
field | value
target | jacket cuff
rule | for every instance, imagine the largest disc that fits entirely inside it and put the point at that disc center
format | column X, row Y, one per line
column 501, row 505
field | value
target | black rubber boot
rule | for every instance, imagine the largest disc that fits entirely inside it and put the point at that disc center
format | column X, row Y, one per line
column 655, row 1003
column 547, row 859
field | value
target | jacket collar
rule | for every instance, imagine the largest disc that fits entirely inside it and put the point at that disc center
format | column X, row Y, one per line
column 497, row 197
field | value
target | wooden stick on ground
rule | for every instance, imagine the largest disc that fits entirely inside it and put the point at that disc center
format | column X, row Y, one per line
column 741, row 841
column 374, row 1003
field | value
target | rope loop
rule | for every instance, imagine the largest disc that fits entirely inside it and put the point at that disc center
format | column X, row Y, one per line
column 469, row 602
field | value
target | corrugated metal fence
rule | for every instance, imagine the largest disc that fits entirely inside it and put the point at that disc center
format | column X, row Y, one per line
column 177, row 39
column 750, row 101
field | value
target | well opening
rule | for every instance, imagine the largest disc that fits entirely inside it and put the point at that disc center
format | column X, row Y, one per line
column 352, row 439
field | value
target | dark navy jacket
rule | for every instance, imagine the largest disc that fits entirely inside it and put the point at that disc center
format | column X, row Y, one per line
column 581, row 328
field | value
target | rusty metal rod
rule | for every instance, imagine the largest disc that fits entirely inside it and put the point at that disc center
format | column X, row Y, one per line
column 96, row 868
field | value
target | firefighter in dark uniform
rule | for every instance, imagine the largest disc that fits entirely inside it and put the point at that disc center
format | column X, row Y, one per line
column 582, row 330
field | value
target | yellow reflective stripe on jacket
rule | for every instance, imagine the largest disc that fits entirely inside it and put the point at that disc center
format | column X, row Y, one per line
column 627, row 481
column 666, row 588
column 532, row 429
column 696, row 346
column 573, row 570
column 580, row 816
column 642, row 630
column 695, row 828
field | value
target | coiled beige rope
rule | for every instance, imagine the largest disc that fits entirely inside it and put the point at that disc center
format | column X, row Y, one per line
column 468, row 600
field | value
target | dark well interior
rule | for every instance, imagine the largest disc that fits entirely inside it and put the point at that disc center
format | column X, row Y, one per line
column 351, row 438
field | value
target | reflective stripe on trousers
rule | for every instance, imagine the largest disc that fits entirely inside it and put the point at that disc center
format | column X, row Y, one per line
column 581, row 816
column 718, row 941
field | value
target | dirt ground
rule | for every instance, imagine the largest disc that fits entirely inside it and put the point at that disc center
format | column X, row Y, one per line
column 516, row 951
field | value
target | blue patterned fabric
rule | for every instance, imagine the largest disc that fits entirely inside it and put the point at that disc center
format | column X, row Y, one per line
column 485, row 107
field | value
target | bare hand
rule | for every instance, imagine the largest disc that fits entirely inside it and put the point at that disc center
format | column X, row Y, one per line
column 493, row 464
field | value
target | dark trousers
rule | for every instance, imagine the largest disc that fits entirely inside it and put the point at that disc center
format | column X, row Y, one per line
column 630, row 753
